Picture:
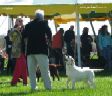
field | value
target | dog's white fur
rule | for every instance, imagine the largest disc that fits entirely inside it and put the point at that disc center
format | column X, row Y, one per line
column 76, row 74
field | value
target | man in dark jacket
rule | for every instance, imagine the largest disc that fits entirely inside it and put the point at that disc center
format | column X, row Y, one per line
column 38, row 36
column 86, row 46
column 69, row 38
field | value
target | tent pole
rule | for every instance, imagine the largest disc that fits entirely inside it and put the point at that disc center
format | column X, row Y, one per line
column 110, row 22
column 10, row 22
column 78, row 35
column 55, row 26
column 111, row 26
column 78, row 40
column 93, row 29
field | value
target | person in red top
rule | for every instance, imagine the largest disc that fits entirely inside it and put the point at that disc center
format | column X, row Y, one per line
column 57, row 46
column 58, row 39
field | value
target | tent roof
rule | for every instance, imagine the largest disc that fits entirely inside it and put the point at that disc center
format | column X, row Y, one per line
column 29, row 10
column 63, row 12
column 53, row 9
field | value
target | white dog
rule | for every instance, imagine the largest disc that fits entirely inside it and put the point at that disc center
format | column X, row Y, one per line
column 76, row 74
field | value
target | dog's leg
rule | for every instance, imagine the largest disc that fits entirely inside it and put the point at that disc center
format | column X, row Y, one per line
column 53, row 77
column 57, row 75
column 37, row 79
column 38, row 76
column 68, row 80
column 58, row 78
column 92, row 83
column 73, row 84
column 86, row 84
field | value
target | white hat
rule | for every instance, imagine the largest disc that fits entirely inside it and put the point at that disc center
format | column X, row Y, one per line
column 39, row 14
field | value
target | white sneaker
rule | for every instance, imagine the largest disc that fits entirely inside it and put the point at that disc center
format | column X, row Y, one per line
column 34, row 89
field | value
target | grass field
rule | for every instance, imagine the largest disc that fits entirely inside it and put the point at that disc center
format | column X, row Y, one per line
column 103, row 82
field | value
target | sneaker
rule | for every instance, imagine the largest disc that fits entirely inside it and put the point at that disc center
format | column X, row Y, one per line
column 34, row 89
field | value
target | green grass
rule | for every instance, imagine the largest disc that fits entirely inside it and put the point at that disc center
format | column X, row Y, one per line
column 103, row 87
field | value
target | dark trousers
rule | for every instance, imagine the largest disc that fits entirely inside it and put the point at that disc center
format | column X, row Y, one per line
column 70, row 50
column 58, row 56
column 11, row 65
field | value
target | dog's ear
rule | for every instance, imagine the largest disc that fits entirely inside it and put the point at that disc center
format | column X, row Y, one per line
column 69, row 56
column 72, row 60
column 66, row 57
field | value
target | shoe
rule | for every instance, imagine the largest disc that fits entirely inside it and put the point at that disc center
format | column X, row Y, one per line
column 34, row 89
column 48, row 88
column 13, row 84
column 24, row 84
column 19, row 80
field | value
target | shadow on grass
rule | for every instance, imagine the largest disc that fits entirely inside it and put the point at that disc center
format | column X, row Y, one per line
column 14, row 94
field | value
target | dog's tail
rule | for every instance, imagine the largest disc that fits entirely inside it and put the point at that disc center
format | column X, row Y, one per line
column 97, row 70
column 55, row 65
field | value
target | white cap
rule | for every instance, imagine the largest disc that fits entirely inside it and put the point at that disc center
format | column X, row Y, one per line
column 39, row 14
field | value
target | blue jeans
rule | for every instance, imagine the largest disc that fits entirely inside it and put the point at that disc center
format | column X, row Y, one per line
column 106, row 52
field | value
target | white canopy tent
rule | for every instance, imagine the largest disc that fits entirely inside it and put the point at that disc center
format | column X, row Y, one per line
column 57, row 7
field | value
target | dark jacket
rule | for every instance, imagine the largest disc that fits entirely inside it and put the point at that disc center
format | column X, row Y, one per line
column 8, row 45
column 86, row 42
column 37, row 34
column 69, row 36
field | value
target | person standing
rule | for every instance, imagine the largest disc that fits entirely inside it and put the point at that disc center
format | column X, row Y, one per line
column 86, row 46
column 38, row 36
column 104, row 42
column 8, row 51
column 57, row 46
column 20, row 70
column 69, row 38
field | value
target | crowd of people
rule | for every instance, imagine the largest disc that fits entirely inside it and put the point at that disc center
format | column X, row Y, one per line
column 33, row 44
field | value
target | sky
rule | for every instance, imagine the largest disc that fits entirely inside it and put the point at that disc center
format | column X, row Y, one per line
column 23, row 2
column 97, row 25
column 16, row 2
column 70, row 1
